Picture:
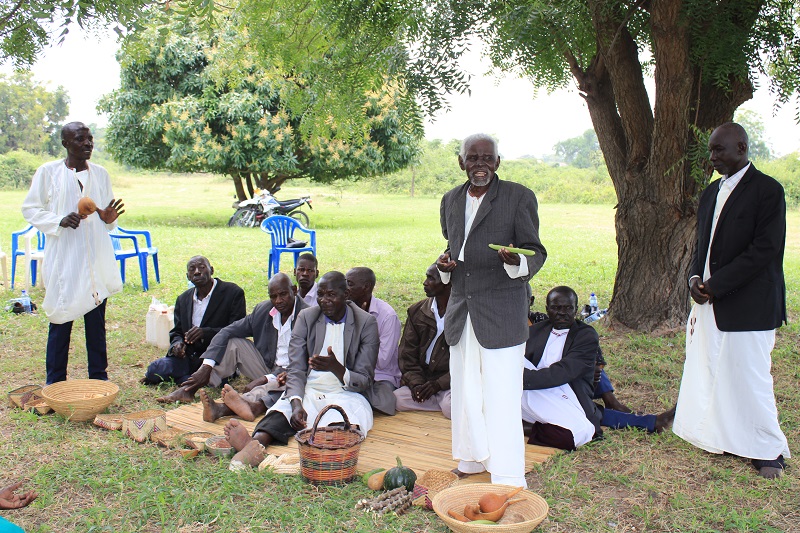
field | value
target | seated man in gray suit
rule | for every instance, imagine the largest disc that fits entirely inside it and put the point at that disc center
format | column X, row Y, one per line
column 200, row 313
column 270, row 326
column 332, row 358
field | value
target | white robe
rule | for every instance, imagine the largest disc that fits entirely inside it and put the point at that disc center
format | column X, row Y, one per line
column 77, row 262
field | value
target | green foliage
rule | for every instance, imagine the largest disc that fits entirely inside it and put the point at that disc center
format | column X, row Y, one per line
column 754, row 126
column 27, row 27
column 17, row 169
column 582, row 151
column 787, row 171
column 185, row 105
column 438, row 172
column 30, row 115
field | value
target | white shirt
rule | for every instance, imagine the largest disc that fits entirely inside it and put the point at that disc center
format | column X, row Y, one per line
column 311, row 296
column 284, row 336
column 199, row 306
column 439, row 330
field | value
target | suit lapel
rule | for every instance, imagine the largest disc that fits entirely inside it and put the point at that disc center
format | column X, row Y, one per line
column 319, row 332
column 214, row 301
column 455, row 213
column 349, row 328
column 736, row 193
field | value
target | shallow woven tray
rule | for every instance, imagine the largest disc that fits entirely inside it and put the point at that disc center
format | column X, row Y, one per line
column 168, row 438
column 533, row 508
column 141, row 424
column 110, row 422
column 79, row 400
column 18, row 396
column 219, row 452
column 200, row 443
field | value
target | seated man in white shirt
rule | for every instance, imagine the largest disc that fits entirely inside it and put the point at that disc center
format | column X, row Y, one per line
column 306, row 273
column 270, row 326
column 332, row 357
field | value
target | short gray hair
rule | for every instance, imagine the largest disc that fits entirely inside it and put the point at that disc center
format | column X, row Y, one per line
column 477, row 137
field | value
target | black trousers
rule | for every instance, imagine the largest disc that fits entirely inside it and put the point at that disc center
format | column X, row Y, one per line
column 58, row 346
column 276, row 425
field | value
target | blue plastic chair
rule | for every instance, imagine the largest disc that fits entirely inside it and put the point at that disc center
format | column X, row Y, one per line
column 17, row 250
column 280, row 230
column 141, row 253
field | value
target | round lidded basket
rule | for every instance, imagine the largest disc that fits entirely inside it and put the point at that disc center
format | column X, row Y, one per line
column 141, row 424
column 79, row 400
column 329, row 455
column 430, row 484
column 533, row 508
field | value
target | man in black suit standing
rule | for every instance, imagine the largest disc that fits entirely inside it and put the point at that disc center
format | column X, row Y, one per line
column 486, row 322
column 726, row 401
column 200, row 313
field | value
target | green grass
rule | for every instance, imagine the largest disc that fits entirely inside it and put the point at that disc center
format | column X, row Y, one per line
column 93, row 480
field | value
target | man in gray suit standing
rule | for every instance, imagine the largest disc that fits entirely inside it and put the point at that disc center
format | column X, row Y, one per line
column 486, row 321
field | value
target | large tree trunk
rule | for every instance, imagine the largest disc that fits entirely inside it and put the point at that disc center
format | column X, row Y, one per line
column 645, row 151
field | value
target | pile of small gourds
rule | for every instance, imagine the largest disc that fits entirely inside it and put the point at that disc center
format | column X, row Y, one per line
column 489, row 510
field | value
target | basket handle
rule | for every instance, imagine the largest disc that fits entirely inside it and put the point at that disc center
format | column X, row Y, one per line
column 322, row 413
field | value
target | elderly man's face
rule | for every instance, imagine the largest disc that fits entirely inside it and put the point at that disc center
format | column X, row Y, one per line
column 561, row 309
column 480, row 162
column 79, row 143
column 282, row 296
column 433, row 282
column 199, row 271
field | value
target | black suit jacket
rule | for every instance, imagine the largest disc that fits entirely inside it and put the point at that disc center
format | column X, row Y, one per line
column 575, row 368
column 227, row 305
column 746, row 261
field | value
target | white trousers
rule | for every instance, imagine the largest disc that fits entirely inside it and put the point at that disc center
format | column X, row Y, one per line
column 486, row 388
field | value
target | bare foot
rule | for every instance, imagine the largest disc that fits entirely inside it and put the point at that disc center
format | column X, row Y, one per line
column 664, row 420
column 770, row 472
column 180, row 395
column 252, row 454
column 611, row 402
column 237, row 435
column 211, row 409
column 237, row 404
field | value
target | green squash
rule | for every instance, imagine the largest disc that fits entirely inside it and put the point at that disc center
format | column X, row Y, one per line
column 399, row 476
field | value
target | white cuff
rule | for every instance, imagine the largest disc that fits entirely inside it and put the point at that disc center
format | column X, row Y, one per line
column 295, row 398
column 346, row 377
column 517, row 271
column 210, row 362
column 445, row 276
column 690, row 280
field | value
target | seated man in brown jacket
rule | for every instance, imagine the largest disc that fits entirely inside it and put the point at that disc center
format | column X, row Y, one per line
column 424, row 355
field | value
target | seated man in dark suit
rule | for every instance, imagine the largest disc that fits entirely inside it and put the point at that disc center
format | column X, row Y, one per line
column 265, row 358
column 558, row 381
column 332, row 358
column 424, row 355
column 200, row 313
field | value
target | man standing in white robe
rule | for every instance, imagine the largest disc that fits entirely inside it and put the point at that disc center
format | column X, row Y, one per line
column 80, row 271
column 726, row 401
column 486, row 321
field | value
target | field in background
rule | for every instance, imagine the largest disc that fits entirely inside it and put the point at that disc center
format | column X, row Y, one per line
column 90, row 480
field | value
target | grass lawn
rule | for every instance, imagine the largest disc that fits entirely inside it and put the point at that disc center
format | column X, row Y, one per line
column 90, row 480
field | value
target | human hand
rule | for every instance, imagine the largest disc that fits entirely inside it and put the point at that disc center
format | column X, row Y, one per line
column 10, row 500
column 282, row 378
column 507, row 257
column 112, row 211
column 200, row 378
column 445, row 264
column 326, row 363
column 299, row 415
column 700, row 294
column 179, row 350
column 72, row 220
column 425, row 391
column 255, row 383
column 193, row 335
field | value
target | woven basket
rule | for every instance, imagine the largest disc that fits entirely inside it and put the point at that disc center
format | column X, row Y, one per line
column 110, row 422
column 219, row 446
column 141, row 424
column 430, row 484
column 329, row 455
column 532, row 509
column 18, row 397
column 79, row 400
column 37, row 405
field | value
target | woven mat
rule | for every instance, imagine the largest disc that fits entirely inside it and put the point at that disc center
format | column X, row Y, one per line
column 421, row 439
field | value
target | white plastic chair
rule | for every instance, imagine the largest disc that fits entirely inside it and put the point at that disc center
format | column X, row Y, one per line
column 4, row 266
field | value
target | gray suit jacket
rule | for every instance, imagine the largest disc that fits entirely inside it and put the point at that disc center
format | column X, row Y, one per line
column 497, row 304
column 258, row 325
column 361, row 343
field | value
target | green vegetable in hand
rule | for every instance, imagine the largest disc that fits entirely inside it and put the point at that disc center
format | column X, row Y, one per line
column 512, row 250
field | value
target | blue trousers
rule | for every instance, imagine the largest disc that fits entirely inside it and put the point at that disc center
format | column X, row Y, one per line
column 603, row 386
column 58, row 346
column 619, row 420
column 171, row 368
column 9, row 527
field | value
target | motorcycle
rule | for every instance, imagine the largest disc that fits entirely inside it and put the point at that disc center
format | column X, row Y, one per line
column 250, row 213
